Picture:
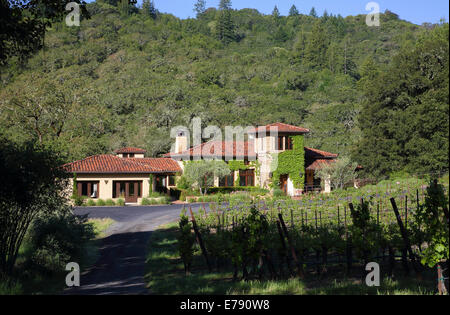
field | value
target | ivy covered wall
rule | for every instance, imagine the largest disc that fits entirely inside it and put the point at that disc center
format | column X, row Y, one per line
column 292, row 163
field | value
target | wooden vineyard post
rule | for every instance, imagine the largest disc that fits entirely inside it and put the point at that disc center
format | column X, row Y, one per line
column 348, row 244
column 405, row 238
column 441, row 284
column 199, row 239
column 283, row 245
column 291, row 245
column 267, row 257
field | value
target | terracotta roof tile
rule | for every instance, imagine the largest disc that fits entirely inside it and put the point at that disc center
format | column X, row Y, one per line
column 318, row 164
column 219, row 149
column 314, row 153
column 110, row 164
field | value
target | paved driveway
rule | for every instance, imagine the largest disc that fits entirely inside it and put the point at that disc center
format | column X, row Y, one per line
column 121, row 266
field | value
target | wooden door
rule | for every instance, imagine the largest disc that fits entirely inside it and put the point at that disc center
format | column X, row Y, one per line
column 131, row 192
column 284, row 183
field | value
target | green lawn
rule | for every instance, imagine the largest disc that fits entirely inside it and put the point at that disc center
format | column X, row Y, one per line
column 165, row 275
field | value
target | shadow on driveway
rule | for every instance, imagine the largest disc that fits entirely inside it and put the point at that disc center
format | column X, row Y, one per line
column 120, row 268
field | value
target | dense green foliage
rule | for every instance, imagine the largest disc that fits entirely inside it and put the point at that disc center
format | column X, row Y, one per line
column 202, row 173
column 126, row 79
column 405, row 114
column 292, row 163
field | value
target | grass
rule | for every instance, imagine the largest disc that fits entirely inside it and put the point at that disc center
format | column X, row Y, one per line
column 37, row 282
column 165, row 275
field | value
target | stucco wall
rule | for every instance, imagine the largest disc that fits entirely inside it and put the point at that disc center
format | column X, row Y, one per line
column 106, row 182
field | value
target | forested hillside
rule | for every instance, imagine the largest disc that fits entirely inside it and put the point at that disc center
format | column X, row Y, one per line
column 128, row 75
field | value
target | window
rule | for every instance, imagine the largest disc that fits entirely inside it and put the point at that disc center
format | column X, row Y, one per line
column 172, row 180
column 88, row 189
column 280, row 143
column 247, row 178
column 127, row 189
column 227, row 181
column 288, row 143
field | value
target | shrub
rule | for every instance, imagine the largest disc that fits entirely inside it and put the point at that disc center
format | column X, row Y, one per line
column 110, row 202
column 120, row 202
column 191, row 199
column 145, row 202
column 78, row 201
column 183, row 195
column 164, row 200
column 186, row 242
column 90, row 203
column 277, row 192
column 55, row 240
column 101, row 202
column 154, row 194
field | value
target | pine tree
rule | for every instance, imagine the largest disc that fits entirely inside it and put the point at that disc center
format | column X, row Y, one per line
column 313, row 12
column 316, row 47
column 225, row 5
column 276, row 12
column 293, row 11
column 200, row 7
column 225, row 26
column 298, row 51
column 149, row 9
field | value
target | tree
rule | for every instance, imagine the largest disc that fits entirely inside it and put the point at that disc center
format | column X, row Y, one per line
column 23, row 25
column 225, row 5
column 276, row 13
column 33, row 184
column 200, row 7
column 313, row 12
column 293, row 11
column 340, row 172
column 225, row 27
column 41, row 104
column 316, row 47
column 203, row 172
column 405, row 114
column 149, row 9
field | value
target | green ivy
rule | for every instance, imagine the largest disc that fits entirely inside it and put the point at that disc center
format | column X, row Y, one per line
column 291, row 162
column 237, row 165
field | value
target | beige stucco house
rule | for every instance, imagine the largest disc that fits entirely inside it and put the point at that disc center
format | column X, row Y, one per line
column 128, row 174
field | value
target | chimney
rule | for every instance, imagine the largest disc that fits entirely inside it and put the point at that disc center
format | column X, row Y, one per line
column 181, row 142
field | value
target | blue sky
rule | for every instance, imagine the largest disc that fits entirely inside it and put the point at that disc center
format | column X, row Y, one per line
column 416, row 11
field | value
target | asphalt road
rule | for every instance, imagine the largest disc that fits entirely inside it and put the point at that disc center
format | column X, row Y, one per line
column 121, row 266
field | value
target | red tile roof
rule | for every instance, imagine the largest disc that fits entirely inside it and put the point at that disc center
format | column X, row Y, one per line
column 317, row 154
column 110, row 164
column 280, row 128
column 131, row 150
column 161, row 164
column 219, row 149
column 318, row 164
